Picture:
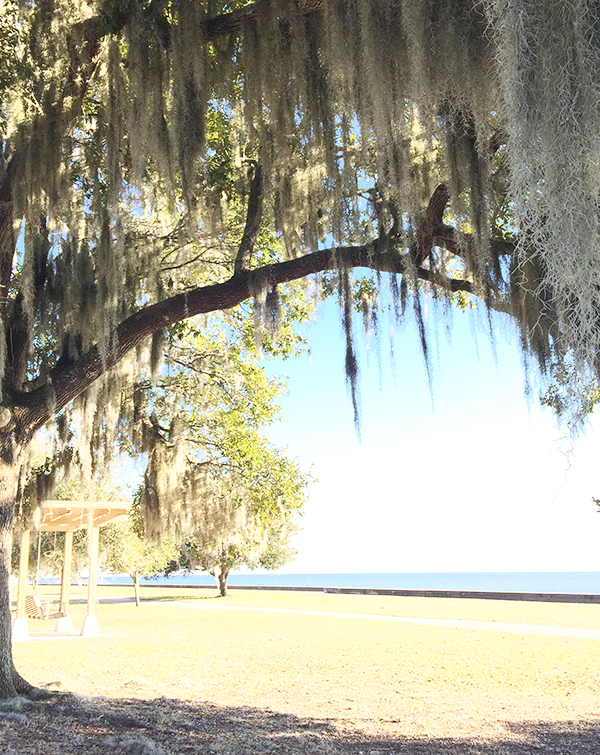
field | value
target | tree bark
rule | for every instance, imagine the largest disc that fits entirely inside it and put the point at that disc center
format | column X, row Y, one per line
column 223, row 574
column 39, row 402
column 11, row 683
column 7, row 240
column 136, row 588
column 253, row 219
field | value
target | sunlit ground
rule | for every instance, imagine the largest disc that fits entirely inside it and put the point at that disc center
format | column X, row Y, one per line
column 382, row 677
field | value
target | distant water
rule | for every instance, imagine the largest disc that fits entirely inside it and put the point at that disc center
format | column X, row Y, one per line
column 560, row 582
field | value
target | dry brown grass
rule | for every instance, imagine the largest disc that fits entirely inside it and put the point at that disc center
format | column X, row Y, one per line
column 312, row 683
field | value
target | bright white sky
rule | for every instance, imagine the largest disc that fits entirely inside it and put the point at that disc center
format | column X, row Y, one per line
column 476, row 480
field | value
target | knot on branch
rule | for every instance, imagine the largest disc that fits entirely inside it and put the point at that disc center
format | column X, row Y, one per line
column 5, row 417
column 434, row 213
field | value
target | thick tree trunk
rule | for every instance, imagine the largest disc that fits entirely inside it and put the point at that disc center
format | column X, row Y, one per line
column 7, row 682
column 11, row 683
column 223, row 574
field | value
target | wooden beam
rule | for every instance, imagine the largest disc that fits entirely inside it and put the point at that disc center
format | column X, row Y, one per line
column 23, row 569
column 93, row 571
column 90, row 624
column 65, row 516
column 65, row 584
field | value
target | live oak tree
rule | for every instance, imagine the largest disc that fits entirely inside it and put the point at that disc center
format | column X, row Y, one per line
column 213, row 482
column 244, row 545
column 124, row 549
column 450, row 147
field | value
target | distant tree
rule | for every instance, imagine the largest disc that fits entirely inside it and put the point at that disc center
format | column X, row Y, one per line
column 124, row 549
column 278, row 550
column 212, row 479
column 242, row 542
column 210, row 470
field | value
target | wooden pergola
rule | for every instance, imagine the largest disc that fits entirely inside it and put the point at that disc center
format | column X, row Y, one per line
column 68, row 516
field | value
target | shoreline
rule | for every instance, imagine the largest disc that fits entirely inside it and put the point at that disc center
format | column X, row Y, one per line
column 540, row 597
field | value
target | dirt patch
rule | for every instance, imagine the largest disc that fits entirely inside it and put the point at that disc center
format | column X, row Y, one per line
column 69, row 725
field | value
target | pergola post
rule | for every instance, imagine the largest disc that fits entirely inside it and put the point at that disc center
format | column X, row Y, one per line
column 20, row 630
column 64, row 622
column 90, row 625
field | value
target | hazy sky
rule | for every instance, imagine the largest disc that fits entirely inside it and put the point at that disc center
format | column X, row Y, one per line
column 473, row 480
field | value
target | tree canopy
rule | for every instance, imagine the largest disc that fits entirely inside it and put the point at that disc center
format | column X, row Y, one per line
column 427, row 140
column 162, row 159
column 242, row 545
column 212, row 479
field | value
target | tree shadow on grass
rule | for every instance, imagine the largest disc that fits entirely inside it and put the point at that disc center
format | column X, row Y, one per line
column 208, row 594
column 580, row 737
column 72, row 725
column 145, row 598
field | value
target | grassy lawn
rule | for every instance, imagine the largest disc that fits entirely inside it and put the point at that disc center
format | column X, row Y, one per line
column 379, row 673
column 519, row 612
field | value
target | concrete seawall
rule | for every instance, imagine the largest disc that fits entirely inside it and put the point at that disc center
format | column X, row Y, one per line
column 539, row 597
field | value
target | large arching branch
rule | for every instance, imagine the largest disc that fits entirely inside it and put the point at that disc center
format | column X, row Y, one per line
column 32, row 409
